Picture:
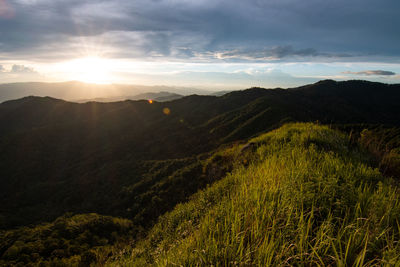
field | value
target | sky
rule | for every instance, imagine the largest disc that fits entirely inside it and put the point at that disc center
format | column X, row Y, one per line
column 214, row 44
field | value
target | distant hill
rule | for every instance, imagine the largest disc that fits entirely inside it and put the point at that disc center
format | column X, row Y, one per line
column 159, row 96
column 220, row 93
column 78, row 91
column 156, row 96
column 138, row 160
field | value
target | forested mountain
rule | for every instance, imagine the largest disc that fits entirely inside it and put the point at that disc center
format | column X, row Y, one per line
column 139, row 159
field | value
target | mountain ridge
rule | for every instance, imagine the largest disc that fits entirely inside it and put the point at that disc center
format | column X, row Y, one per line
column 98, row 134
column 138, row 160
column 77, row 91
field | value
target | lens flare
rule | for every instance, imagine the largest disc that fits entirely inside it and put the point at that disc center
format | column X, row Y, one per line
column 166, row 111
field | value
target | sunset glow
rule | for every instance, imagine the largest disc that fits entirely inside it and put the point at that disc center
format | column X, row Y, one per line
column 89, row 69
column 214, row 45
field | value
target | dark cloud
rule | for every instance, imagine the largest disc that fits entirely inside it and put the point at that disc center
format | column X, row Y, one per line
column 274, row 53
column 180, row 29
column 6, row 10
column 371, row 72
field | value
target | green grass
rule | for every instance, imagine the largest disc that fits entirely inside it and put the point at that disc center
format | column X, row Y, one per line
column 302, row 196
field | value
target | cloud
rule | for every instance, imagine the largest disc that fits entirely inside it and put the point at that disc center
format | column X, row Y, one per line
column 268, row 78
column 19, row 73
column 274, row 53
column 371, row 72
column 18, row 69
column 21, row 69
column 244, row 30
column 6, row 10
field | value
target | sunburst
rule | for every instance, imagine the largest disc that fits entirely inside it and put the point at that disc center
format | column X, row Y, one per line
column 91, row 70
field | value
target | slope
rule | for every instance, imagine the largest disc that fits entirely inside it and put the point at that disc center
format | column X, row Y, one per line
column 308, row 196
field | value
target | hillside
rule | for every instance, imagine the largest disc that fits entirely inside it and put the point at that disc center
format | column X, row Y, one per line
column 54, row 152
column 302, row 196
column 136, row 160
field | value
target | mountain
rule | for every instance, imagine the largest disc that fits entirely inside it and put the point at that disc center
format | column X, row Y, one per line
column 159, row 96
column 155, row 96
column 137, row 160
column 79, row 91
column 62, row 151
column 220, row 93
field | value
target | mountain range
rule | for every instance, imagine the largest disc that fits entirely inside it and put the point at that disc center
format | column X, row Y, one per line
column 137, row 160
column 154, row 96
column 80, row 92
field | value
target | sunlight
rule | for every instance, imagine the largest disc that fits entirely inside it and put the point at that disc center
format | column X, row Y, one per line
column 90, row 70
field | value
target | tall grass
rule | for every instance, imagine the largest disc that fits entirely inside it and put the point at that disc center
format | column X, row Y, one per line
column 305, row 199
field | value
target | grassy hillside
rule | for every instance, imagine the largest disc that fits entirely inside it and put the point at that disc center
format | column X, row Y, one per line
column 300, row 195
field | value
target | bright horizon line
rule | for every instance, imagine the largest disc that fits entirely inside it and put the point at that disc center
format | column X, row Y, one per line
column 202, row 87
column 215, row 76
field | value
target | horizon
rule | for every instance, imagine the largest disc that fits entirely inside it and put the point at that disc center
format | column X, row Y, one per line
column 220, row 45
column 205, row 88
column 81, row 92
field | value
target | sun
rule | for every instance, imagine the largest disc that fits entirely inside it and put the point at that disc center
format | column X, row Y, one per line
column 91, row 70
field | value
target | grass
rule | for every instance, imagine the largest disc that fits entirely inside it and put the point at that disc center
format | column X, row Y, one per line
column 305, row 198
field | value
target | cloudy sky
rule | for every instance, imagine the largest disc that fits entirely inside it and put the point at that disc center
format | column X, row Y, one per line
column 223, row 44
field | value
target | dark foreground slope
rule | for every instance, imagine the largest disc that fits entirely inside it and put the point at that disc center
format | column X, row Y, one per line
column 302, row 196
